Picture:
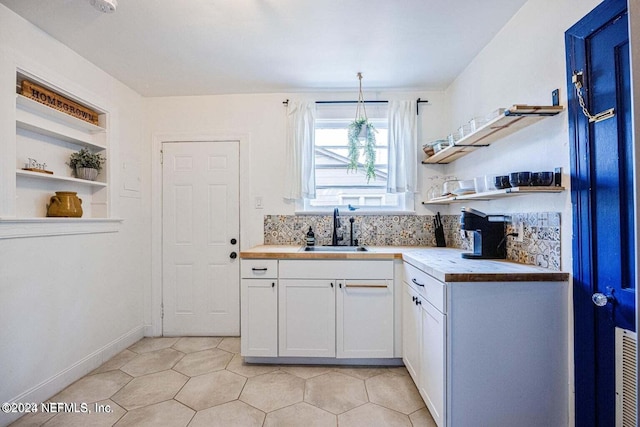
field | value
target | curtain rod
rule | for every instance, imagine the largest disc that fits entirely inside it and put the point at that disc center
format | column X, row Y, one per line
column 418, row 102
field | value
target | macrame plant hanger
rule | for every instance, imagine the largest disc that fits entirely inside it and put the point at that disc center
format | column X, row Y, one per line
column 361, row 110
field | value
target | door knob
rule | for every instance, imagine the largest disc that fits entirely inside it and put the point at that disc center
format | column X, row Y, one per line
column 234, row 241
column 233, row 255
column 601, row 299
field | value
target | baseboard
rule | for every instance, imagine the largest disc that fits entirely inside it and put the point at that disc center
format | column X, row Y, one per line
column 150, row 331
column 325, row 361
column 59, row 381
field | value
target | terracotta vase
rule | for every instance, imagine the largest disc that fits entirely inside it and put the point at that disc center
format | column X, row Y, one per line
column 65, row 204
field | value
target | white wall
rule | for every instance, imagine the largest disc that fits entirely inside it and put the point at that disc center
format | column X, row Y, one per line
column 259, row 120
column 262, row 118
column 67, row 302
column 522, row 65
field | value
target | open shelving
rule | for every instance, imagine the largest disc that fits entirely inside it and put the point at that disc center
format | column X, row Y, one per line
column 494, row 194
column 512, row 120
column 24, row 103
column 45, row 176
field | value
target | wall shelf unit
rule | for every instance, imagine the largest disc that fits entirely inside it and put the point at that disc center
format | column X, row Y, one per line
column 512, row 120
column 46, row 136
column 495, row 194
column 25, row 104
column 38, row 175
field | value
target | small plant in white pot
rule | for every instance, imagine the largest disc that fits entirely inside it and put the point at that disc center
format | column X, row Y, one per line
column 86, row 164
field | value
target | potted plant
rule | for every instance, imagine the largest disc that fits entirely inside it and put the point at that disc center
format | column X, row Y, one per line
column 86, row 164
column 362, row 129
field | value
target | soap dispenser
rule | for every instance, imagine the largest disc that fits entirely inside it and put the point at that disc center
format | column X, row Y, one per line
column 311, row 238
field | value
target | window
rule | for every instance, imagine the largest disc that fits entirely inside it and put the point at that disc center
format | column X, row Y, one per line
column 335, row 186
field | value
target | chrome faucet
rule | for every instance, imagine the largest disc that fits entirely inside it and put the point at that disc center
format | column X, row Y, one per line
column 336, row 224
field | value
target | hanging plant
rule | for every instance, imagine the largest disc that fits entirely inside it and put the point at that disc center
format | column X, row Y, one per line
column 361, row 129
column 356, row 128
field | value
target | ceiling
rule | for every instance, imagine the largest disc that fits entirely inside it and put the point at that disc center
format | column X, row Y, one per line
column 199, row 47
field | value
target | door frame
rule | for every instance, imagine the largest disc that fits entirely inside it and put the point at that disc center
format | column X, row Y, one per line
column 634, row 34
column 581, row 179
column 153, row 295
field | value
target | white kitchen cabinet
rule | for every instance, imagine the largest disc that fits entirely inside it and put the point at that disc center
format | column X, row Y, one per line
column 364, row 323
column 411, row 332
column 336, row 308
column 492, row 351
column 307, row 318
column 259, row 308
column 424, row 340
column 433, row 369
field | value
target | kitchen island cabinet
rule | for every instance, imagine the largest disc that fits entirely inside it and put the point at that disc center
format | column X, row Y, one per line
column 493, row 340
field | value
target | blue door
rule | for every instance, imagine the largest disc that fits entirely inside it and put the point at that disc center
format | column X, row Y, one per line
column 603, row 204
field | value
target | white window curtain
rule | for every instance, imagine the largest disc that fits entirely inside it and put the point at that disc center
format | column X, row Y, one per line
column 403, row 157
column 300, row 160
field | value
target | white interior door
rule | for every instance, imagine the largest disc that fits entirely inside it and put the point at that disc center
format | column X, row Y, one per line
column 200, row 229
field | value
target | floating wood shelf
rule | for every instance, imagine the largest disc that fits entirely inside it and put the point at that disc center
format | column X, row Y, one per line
column 495, row 194
column 512, row 120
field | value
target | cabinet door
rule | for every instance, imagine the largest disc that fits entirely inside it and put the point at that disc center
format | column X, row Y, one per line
column 411, row 332
column 364, row 318
column 259, row 324
column 433, row 369
column 307, row 321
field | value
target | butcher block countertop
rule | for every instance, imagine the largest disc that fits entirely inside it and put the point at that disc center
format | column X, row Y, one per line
column 447, row 265
column 297, row 252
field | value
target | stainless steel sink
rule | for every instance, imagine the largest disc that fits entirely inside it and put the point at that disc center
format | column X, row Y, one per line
column 335, row 249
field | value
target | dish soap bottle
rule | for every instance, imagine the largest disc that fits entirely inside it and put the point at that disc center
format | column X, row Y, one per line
column 311, row 238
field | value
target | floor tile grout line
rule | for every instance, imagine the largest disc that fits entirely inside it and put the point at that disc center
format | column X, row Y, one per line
column 346, row 371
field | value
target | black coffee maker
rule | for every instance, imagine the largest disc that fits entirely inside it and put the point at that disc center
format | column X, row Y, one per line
column 488, row 234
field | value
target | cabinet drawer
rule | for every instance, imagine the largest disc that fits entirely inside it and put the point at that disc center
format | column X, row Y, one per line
column 336, row 269
column 259, row 268
column 429, row 287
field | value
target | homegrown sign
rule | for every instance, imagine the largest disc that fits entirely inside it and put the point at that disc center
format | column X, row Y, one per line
column 59, row 102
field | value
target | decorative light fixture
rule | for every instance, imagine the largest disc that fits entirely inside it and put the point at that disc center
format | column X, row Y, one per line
column 105, row 6
column 362, row 134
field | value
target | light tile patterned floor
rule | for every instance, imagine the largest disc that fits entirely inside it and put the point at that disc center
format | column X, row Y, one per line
column 204, row 382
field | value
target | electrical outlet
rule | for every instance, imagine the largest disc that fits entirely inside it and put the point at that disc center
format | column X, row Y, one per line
column 258, row 202
column 520, row 230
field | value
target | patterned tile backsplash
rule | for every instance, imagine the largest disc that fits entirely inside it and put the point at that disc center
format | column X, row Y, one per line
column 540, row 245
